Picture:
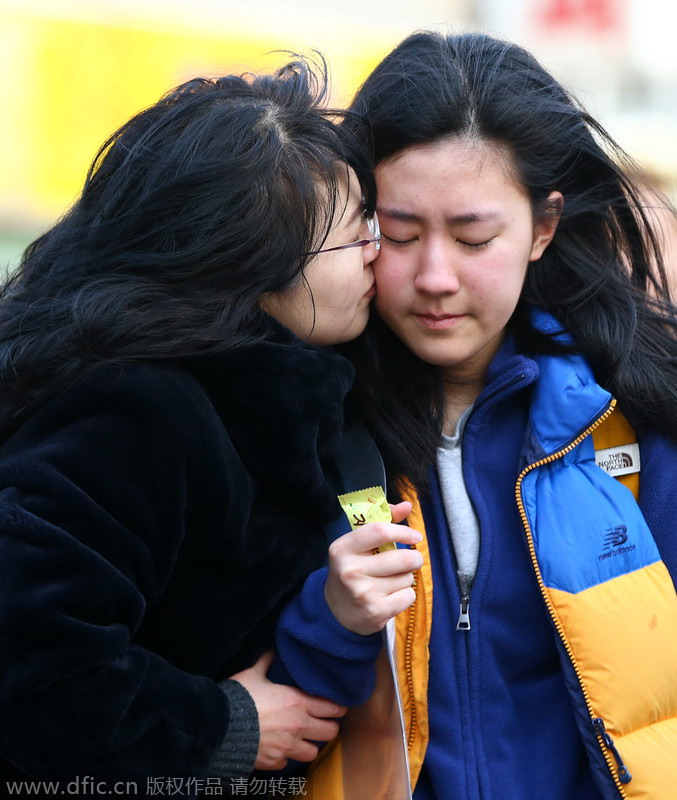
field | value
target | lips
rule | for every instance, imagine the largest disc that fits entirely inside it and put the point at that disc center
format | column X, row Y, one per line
column 438, row 322
column 372, row 291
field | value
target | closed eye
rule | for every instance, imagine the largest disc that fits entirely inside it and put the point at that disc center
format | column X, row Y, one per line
column 396, row 242
column 476, row 245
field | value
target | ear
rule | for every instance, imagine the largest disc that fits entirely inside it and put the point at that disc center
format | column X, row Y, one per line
column 545, row 224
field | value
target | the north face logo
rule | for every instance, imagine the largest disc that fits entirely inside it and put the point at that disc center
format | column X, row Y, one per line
column 626, row 460
column 614, row 542
column 616, row 461
column 621, row 460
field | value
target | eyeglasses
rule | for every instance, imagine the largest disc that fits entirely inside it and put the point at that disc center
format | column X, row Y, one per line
column 374, row 238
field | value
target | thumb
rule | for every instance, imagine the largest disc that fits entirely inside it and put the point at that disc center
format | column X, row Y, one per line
column 263, row 664
column 400, row 511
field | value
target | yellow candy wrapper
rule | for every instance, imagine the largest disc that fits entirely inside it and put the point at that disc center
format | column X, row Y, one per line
column 367, row 505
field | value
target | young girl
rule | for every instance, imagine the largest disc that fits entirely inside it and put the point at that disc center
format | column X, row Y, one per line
column 523, row 340
column 163, row 476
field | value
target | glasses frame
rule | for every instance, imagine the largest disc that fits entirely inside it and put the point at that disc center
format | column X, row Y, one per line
column 373, row 227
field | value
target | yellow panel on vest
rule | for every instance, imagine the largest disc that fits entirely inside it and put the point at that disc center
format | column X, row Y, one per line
column 623, row 634
column 367, row 761
column 651, row 756
column 336, row 774
column 325, row 778
column 413, row 647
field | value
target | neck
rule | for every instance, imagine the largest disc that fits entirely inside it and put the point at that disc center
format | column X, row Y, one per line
column 458, row 398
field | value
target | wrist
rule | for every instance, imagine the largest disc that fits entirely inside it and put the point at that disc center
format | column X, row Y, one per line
column 236, row 756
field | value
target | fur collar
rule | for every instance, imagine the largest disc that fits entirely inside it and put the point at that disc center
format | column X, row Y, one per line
column 281, row 401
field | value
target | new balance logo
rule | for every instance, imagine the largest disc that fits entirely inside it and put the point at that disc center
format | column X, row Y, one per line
column 615, row 537
column 614, row 541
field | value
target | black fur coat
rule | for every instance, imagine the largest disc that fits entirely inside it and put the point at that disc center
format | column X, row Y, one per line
column 153, row 520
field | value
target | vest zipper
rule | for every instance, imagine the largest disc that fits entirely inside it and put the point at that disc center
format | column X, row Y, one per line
column 408, row 669
column 623, row 773
column 602, row 736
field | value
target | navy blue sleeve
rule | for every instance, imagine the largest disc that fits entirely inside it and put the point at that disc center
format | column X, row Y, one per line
column 93, row 501
column 317, row 654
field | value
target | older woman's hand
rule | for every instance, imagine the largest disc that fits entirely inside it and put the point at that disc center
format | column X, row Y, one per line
column 290, row 721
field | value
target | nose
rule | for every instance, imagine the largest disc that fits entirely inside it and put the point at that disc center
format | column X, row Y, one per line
column 436, row 272
column 369, row 253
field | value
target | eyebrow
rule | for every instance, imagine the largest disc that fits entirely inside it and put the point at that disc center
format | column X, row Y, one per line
column 457, row 219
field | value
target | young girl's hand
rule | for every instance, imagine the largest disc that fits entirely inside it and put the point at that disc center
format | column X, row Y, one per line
column 364, row 590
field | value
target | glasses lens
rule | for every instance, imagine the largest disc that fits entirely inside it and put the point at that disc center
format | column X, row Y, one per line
column 374, row 230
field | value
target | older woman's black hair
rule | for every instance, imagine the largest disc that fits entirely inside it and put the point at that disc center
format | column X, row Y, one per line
column 190, row 212
column 602, row 275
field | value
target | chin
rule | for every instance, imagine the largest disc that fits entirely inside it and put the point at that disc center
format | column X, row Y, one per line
column 434, row 357
column 444, row 362
column 355, row 329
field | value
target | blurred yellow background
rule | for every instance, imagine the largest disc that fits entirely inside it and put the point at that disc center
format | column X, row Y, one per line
column 67, row 83
column 73, row 70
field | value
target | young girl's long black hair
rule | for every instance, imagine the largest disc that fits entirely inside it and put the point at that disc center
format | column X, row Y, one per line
column 190, row 212
column 602, row 275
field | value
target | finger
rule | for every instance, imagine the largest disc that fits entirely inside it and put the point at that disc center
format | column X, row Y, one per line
column 263, row 664
column 400, row 511
column 373, row 535
column 393, row 584
column 264, row 763
column 392, row 562
column 397, row 602
column 305, row 751
column 386, row 587
column 319, row 708
column 378, row 610
column 320, row 730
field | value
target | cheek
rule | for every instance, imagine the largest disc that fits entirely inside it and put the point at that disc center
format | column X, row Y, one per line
column 390, row 296
column 392, row 275
column 500, row 277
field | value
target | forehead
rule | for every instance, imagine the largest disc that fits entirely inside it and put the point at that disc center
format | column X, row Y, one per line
column 349, row 196
column 455, row 168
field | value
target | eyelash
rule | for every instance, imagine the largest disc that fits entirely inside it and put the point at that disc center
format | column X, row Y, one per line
column 478, row 245
column 405, row 242
column 396, row 242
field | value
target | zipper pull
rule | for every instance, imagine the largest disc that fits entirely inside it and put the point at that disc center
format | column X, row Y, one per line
column 463, row 623
column 624, row 775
